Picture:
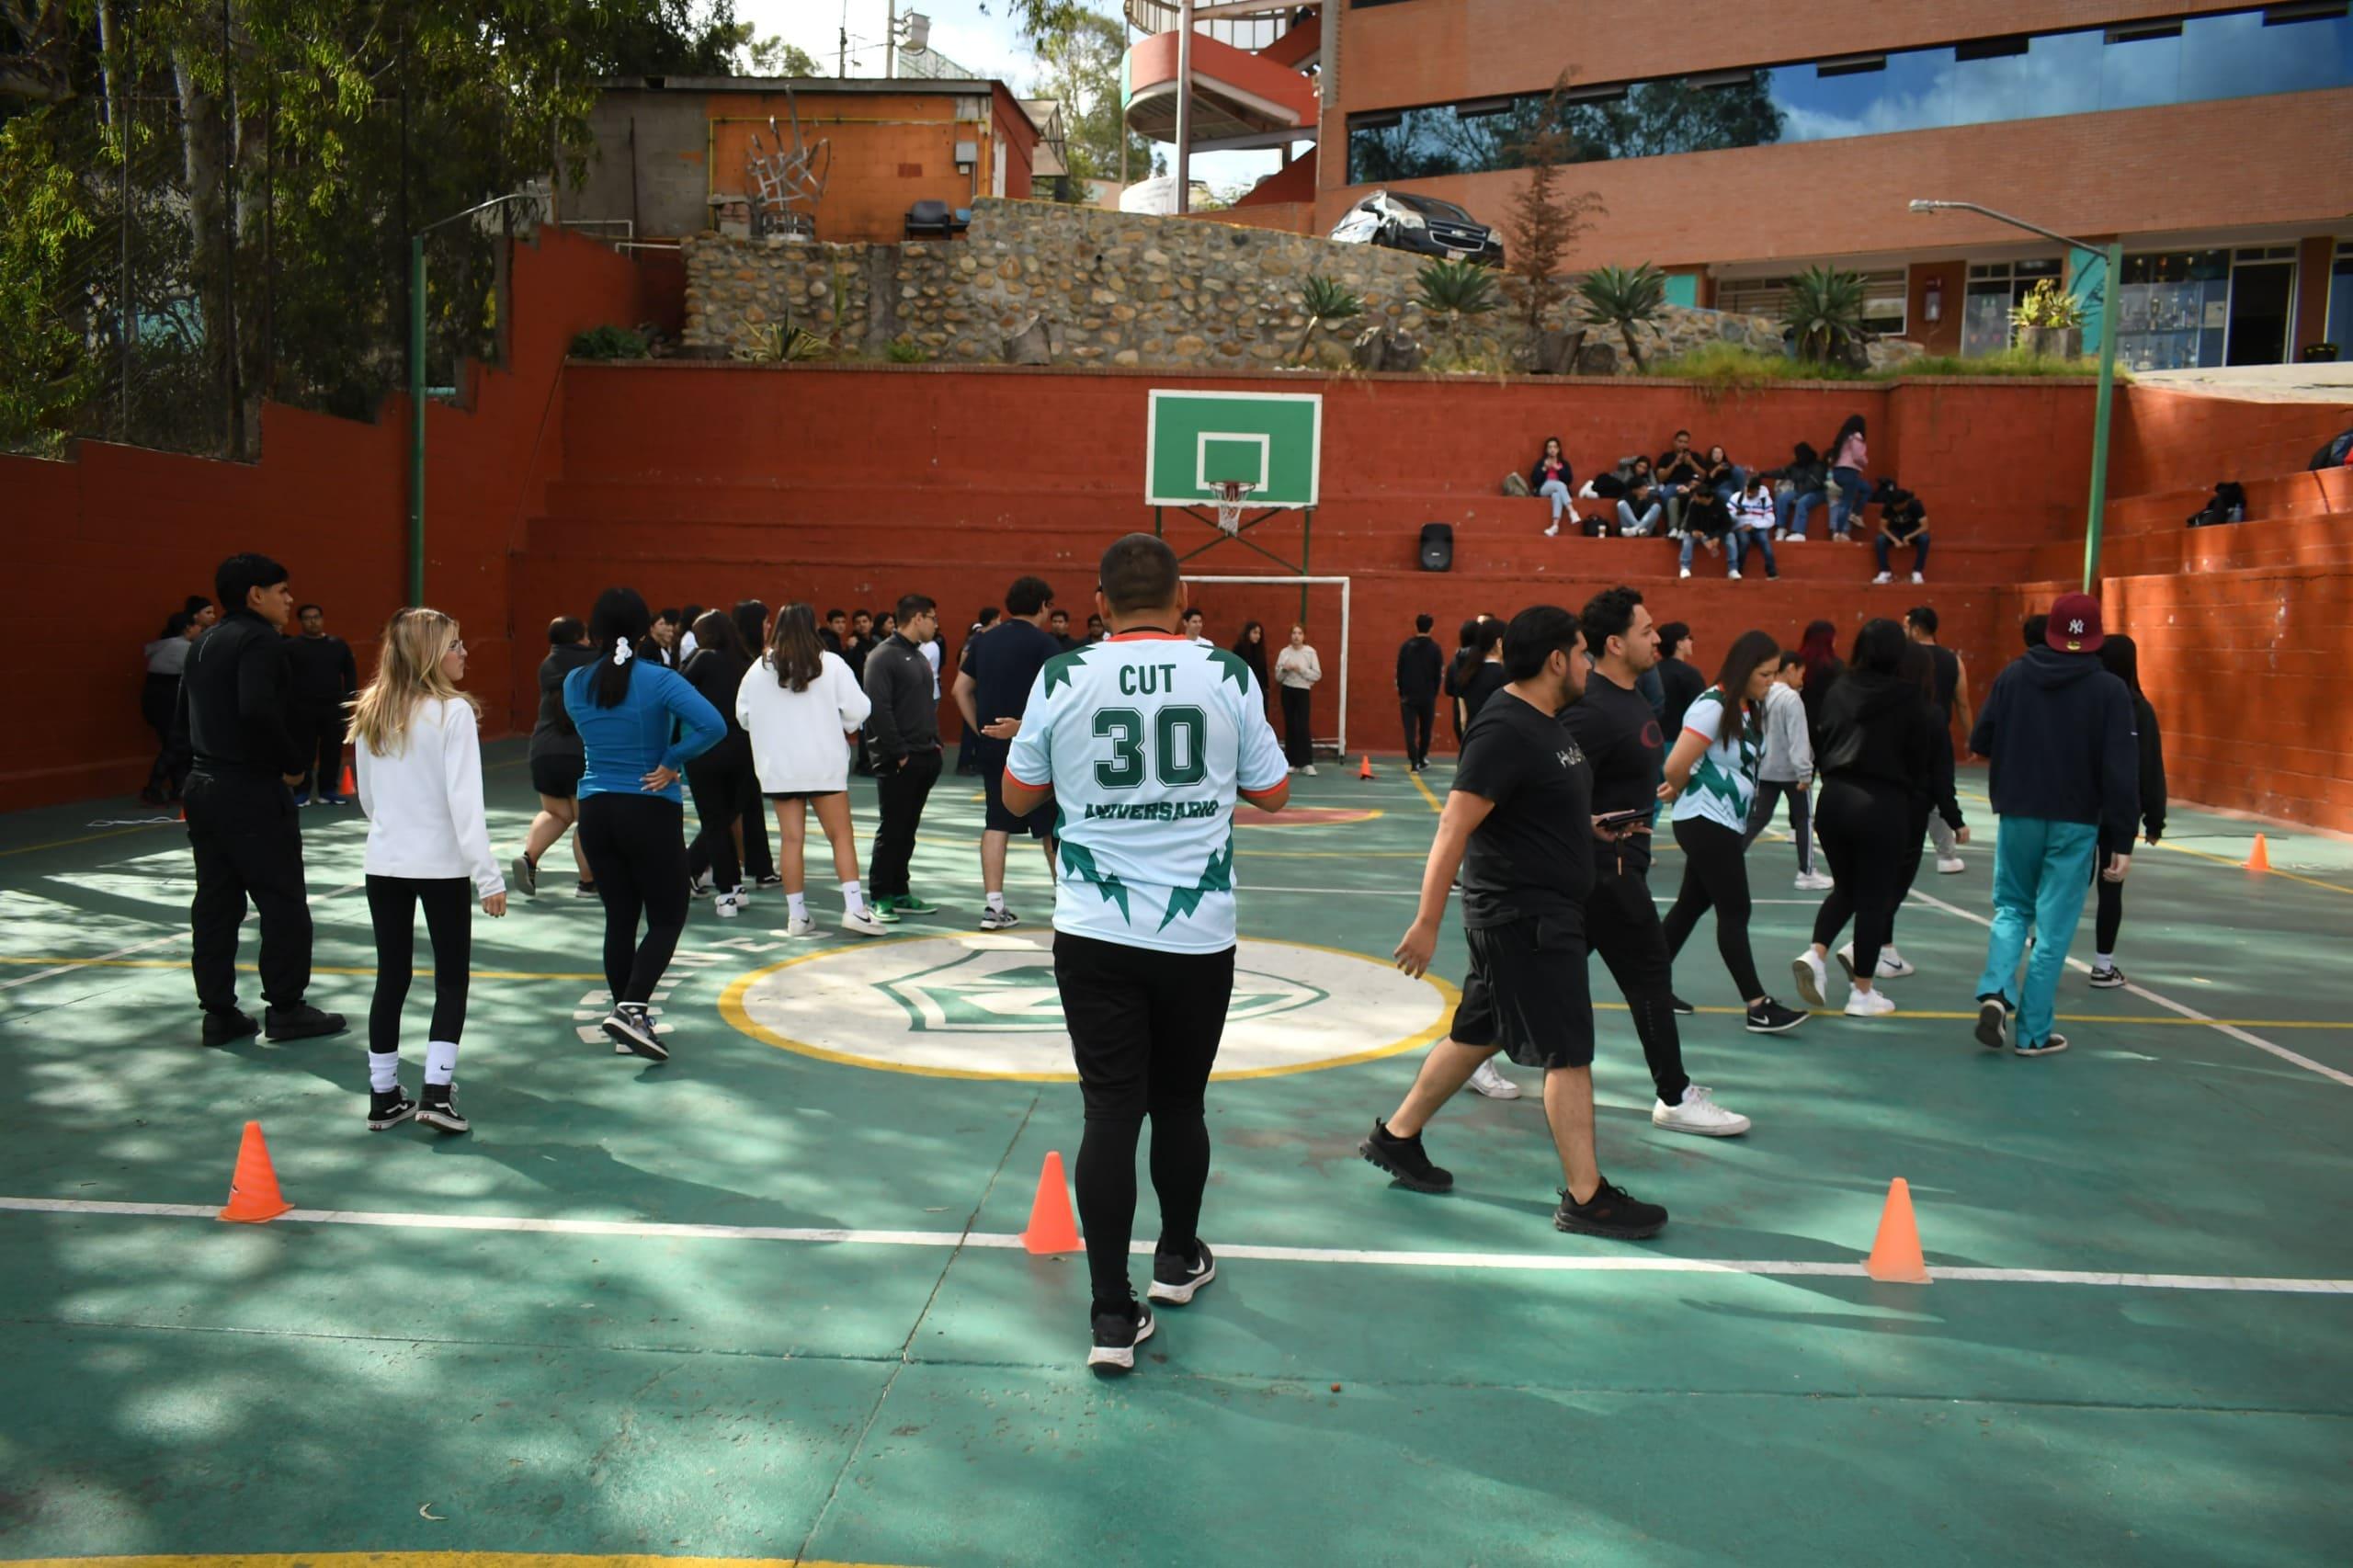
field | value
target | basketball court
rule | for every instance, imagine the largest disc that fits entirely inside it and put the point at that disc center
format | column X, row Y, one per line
column 769, row 1301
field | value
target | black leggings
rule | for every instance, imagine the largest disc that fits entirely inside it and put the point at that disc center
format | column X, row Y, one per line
column 448, row 921
column 726, row 793
column 636, row 853
column 2109, row 922
column 1869, row 838
column 1715, row 875
column 1299, row 740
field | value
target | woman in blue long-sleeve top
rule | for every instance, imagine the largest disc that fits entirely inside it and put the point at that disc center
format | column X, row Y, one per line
column 639, row 725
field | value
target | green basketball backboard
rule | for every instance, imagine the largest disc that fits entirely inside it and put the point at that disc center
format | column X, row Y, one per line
column 1272, row 441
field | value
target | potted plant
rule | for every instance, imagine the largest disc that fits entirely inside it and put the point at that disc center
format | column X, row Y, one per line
column 2049, row 321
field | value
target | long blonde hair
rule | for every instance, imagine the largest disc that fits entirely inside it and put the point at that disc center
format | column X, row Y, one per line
column 408, row 670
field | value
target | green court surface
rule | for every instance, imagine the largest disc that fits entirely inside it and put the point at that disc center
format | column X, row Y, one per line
column 766, row 1301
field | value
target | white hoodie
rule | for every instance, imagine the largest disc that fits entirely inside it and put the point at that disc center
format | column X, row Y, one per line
column 799, row 744
column 424, row 806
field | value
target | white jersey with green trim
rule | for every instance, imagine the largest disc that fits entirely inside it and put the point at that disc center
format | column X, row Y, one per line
column 1146, row 739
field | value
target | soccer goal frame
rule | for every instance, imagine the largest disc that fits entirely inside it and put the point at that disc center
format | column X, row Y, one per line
column 1345, row 584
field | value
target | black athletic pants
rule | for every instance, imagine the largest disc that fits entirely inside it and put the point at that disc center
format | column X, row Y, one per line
column 158, row 701
column 1145, row 1026
column 902, row 792
column 248, row 844
column 637, row 852
column 1420, row 716
column 726, row 792
column 1864, row 830
column 1621, row 926
column 1715, row 876
column 319, row 733
column 448, row 921
column 2109, row 920
column 1299, row 737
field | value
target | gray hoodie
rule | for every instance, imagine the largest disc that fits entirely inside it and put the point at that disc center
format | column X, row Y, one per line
column 1789, row 753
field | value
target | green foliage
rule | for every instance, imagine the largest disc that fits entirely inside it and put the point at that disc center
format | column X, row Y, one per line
column 1325, row 301
column 1824, row 309
column 905, row 350
column 1081, row 51
column 1545, row 224
column 1732, row 367
column 1449, row 291
column 1627, row 298
column 2048, row 305
column 2006, row 362
column 783, row 343
column 608, row 343
column 46, row 369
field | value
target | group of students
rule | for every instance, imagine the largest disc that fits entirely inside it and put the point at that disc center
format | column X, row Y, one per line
column 322, row 678
column 1704, row 500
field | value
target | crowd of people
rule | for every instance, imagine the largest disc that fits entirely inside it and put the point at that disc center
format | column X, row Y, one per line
column 1122, row 755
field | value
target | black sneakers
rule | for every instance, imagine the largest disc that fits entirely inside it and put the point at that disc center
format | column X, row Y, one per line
column 1403, row 1158
column 389, row 1107
column 1116, row 1335
column 221, row 1027
column 1178, row 1277
column 632, row 1030
column 1611, row 1211
column 302, row 1021
column 1770, row 1016
column 1993, row 1023
column 525, row 875
column 1682, row 1008
column 438, row 1107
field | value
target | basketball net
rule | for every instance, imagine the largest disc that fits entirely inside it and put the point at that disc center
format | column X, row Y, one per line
column 1231, row 493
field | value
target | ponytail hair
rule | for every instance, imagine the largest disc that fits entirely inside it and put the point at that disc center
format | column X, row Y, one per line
column 794, row 651
column 616, row 627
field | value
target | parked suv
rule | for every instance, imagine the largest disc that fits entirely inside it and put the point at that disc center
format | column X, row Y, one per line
column 1422, row 224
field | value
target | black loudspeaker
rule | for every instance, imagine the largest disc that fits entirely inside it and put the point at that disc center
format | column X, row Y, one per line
column 1438, row 546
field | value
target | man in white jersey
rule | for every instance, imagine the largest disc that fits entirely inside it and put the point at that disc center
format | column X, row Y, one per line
column 1143, row 742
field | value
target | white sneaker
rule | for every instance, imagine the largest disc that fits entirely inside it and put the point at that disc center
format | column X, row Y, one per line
column 1951, row 865
column 1812, row 978
column 1812, row 881
column 1882, row 579
column 862, row 924
column 1918, row 579
column 800, row 925
column 1794, row 538
column 1554, row 530
column 1699, row 1113
column 1869, row 1004
column 1309, row 771
column 1892, row 965
column 1685, row 571
column 727, row 905
column 1492, row 1084
column 1733, row 573
column 1001, row 919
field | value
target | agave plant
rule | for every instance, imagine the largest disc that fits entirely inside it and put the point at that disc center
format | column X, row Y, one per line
column 1449, row 290
column 1626, row 298
column 1325, row 301
column 1825, row 312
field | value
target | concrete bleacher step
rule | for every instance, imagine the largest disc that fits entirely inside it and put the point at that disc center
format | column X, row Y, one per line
column 2325, row 541
column 2272, row 496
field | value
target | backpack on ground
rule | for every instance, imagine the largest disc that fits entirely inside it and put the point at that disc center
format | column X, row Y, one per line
column 1515, row 483
column 2228, row 506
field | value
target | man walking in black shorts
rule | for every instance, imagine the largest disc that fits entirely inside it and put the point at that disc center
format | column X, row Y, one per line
column 1518, row 826
column 1000, row 665
column 1614, row 726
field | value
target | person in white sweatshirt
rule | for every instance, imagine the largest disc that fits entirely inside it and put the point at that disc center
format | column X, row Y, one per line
column 804, row 709
column 419, row 764
column 1788, row 769
column 1297, row 669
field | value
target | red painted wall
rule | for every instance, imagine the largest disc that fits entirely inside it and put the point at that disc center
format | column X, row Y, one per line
column 123, row 534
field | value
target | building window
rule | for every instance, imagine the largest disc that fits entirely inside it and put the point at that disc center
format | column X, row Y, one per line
column 1884, row 298
column 2285, row 48
column 1994, row 288
column 2340, row 295
column 2173, row 310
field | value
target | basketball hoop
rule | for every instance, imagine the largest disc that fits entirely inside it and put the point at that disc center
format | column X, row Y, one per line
column 1231, row 493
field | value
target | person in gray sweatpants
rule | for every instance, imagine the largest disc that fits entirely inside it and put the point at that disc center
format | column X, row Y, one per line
column 1788, row 768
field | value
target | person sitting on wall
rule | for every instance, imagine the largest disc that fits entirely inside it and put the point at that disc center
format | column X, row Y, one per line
column 1720, row 474
column 1902, row 520
column 1679, row 473
column 1752, row 521
column 1554, row 479
column 1799, row 492
column 1706, row 520
column 1631, row 492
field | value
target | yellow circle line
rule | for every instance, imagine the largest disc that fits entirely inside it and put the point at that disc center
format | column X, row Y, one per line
column 731, row 1008
column 1347, row 816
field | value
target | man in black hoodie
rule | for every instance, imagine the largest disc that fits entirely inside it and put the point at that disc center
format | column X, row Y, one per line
column 324, row 679
column 1421, row 667
column 2059, row 729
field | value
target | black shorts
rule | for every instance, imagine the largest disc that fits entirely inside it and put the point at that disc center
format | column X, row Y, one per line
column 1144, row 1024
column 804, row 794
column 1039, row 823
column 557, row 774
column 1526, row 993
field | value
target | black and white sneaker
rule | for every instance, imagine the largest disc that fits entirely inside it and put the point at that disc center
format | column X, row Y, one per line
column 2107, row 977
column 771, row 880
column 632, row 1030
column 1611, row 1212
column 438, row 1107
column 999, row 919
column 584, row 890
column 1403, row 1159
column 1993, row 1023
column 1770, row 1016
column 526, row 875
column 389, row 1107
column 1682, row 1009
column 1116, row 1335
column 1178, row 1277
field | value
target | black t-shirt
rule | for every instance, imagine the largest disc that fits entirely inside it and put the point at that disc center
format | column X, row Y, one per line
column 1625, row 746
column 1004, row 663
column 1946, row 679
column 1477, row 687
column 1904, row 518
column 1683, row 686
column 1533, row 855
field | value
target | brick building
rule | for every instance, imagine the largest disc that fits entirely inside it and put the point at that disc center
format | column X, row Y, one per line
column 1734, row 145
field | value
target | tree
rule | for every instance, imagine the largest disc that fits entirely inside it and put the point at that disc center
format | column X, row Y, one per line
column 1544, row 226
column 774, row 56
column 1082, row 51
column 1626, row 298
column 1824, row 309
column 1448, row 291
column 1327, row 300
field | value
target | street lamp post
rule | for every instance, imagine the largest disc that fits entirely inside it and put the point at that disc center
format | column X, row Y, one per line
column 2108, row 320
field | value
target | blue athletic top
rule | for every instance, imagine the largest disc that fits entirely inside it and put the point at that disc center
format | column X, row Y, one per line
column 625, row 742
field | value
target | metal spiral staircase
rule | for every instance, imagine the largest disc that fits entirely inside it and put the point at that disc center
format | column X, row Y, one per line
column 1251, row 65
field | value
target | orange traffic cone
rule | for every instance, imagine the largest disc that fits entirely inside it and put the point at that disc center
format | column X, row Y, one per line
column 350, row 783
column 2260, row 860
column 1052, row 1227
column 1364, row 768
column 1895, row 1256
column 253, row 1191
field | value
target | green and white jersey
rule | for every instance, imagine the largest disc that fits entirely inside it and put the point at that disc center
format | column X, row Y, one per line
column 1723, row 782
column 1146, row 739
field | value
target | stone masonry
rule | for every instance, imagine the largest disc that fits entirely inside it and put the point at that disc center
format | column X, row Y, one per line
column 1110, row 288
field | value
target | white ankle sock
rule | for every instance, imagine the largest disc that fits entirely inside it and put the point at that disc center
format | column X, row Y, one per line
column 2103, row 960
column 798, row 903
column 440, row 1061
column 383, row 1071
column 996, row 901
column 853, row 897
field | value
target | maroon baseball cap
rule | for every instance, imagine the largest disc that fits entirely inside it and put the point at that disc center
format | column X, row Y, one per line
column 2074, row 625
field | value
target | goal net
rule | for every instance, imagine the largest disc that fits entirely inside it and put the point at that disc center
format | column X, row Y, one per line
column 1227, row 603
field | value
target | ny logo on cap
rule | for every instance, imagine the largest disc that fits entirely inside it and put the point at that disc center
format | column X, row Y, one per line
column 2075, row 628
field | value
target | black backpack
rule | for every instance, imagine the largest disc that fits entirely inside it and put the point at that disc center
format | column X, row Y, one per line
column 2229, row 506
column 2337, row 453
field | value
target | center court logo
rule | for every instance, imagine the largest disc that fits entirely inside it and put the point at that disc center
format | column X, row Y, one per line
column 985, row 1005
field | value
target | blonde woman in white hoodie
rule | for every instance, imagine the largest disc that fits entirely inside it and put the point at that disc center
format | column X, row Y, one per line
column 803, row 709
column 419, row 765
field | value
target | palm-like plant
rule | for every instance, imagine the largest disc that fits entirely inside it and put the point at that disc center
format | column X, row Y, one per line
column 1327, row 300
column 1626, row 298
column 1824, row 311
column 1449, row 290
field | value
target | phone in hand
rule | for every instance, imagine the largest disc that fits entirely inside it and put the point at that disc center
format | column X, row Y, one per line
column 1619, row 822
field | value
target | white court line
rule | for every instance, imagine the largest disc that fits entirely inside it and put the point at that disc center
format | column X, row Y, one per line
column 2167, row 1003
column 1534, row 1263
column 1416, row 893
column 134, row 948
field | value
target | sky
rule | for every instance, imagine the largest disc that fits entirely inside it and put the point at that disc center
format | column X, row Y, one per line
column 975, row 33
